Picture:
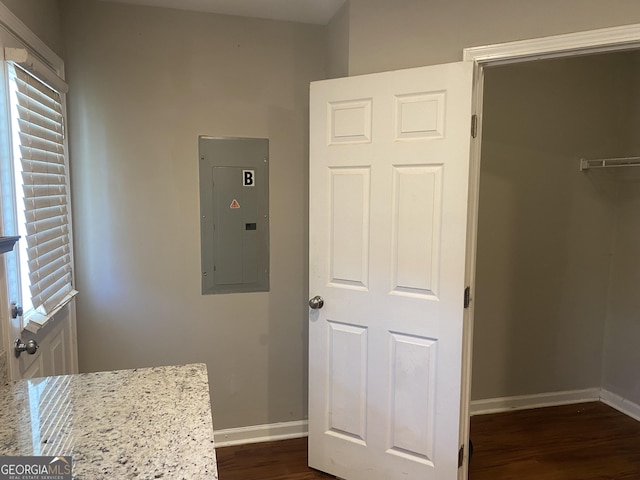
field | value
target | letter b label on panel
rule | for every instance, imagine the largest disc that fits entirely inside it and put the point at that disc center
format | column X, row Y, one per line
column 248, row 178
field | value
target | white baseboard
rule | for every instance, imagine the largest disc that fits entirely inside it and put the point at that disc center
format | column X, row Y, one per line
column 523, row 402
column 260, row 433
column 621, row 404
column 300, row 428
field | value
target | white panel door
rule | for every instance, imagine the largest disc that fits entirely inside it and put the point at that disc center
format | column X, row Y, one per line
column 389, row 175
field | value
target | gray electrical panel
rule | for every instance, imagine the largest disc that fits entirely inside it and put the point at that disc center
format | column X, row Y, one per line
column 234, row 214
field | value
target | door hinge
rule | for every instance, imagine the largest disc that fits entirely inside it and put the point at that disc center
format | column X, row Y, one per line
column 467, row 297
column 460, row 456
column 474, row 126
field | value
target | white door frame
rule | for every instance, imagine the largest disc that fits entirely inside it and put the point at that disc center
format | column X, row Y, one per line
column 567, row 45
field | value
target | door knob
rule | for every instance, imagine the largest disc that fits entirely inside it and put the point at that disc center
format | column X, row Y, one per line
column 30, row 347
column 316, row 302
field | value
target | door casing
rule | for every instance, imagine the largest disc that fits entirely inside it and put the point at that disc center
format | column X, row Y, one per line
column 604, row 40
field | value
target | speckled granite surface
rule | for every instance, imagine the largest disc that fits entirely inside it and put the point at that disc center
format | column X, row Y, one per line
column 143, row 423
column 4, row 369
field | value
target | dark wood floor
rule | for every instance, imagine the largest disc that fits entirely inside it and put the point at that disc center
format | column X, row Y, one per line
column 588, row 441
column 283, row 460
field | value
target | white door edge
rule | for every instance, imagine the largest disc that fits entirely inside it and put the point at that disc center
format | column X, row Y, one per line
column 603, row 40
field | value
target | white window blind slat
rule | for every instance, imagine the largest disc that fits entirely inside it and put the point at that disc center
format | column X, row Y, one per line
column 42, row 113
column 46, row 236
column 34, row 228
column 48, row 252
column 47, row 259
column 41, row 132
column 42, row 119
column 34, row 203
column 39, row 121
column 37, row 102
column 36, row 91
column 36, row 166
column 35, row 191
column 50, row 298
column 49, row 269
column 39, row 214
column 28, row 140
column 34, row 108
column 43, row 283
column 48, row 164
column 38, row 107
column 43, row 179
column 34, row 154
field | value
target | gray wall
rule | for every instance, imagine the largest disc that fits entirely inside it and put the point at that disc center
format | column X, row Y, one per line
column 338, row 43
column 622, row 328
column 622, row 355
column 408, row 33
column 547, row 238
column 387, row 35
column 145, row 83
column 42, row 17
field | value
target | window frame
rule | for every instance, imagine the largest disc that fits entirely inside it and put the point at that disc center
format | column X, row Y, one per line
column 29, row 72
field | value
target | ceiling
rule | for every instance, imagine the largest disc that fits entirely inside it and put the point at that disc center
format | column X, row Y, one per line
column 304, row 11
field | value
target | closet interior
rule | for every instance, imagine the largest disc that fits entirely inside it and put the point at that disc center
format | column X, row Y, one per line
column 557, row 300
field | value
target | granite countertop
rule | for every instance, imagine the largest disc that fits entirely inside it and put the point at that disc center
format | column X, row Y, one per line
column 143, row 423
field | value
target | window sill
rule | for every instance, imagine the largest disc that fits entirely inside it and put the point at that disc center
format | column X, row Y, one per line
column 36, row 321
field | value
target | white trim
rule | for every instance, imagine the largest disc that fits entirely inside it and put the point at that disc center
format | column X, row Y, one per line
column 41, row 70
column 470, row 266
column 524, row 402
column 17, row 27
column 36, row 320
column 571, row 44
column 260, row 433
column 553, row 399
column 621, row 404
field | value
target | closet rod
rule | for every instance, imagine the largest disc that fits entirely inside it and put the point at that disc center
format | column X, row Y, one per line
column 586, row 164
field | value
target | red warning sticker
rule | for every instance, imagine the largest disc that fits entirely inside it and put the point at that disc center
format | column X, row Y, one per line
column 234, row 204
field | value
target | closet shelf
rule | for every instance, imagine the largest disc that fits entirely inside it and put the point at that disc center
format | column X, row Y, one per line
column 587, row 164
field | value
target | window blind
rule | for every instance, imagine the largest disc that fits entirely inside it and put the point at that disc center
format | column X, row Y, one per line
column 39, row 124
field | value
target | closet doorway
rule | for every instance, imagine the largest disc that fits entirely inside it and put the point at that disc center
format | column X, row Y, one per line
column 556, row 315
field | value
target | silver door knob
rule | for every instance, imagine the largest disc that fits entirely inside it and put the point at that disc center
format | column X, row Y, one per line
column 30, row 347
column 316, row 302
